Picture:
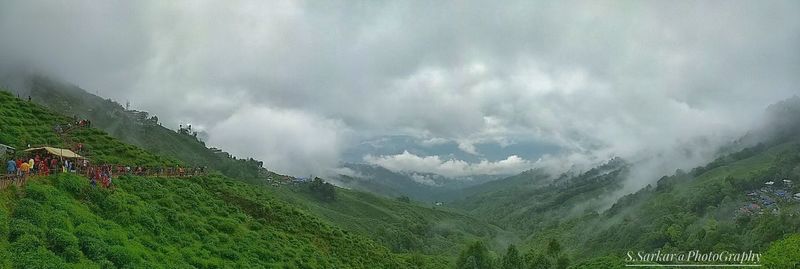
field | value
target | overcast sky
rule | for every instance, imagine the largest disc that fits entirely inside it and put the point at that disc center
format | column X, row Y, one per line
column 299, row 84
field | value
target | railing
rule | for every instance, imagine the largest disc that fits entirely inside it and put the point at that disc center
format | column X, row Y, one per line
column 92, row 171
column 144, row 172
column 113, row 171
column 8, row 180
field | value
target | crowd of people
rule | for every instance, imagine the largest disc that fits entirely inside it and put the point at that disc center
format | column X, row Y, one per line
column 64, row 128
column 19, row 169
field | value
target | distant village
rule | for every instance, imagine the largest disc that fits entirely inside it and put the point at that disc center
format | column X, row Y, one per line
column 278, row 180
column 770, row 198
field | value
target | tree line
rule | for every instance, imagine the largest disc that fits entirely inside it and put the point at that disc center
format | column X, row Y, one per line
column 477, row 256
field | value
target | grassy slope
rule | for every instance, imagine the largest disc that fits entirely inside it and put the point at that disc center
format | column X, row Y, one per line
column 23, row 123
column 203, row 222
column 698, row 205
column 529, row 201
column 710, row 194
column 685, row 211
column 144, row 132
column 400, row 226
column 403, row 227
column 784, row 253
column 209, row 222
column 690, row 211
column 378, row 180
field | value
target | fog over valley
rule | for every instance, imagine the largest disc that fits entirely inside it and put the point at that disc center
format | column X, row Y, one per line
column 465, row 134
column 308, row 86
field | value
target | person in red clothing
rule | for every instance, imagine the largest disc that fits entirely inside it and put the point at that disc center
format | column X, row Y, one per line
column 104, row 181
column 43, row 170
column 54, row 165
column 97, row 174
column 19, row 171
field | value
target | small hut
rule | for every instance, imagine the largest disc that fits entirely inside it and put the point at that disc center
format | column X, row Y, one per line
column 6, row 151
column 58, row 152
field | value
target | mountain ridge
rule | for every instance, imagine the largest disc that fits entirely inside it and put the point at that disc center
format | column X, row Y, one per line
column 407, row 226
column 531, row 208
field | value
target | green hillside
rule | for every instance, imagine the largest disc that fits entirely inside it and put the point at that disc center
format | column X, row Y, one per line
column 428, row 236
column 740, row 202
column 533, row 199
column 23, row 123
column 379, row 180
column 140, row 129
column 203, row 222
column 220, row 221
column 402, row 225
column 702, row 209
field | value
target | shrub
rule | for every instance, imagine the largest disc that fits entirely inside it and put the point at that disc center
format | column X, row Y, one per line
column 223, row 224
column 72, row 184
column 26, row 243
column 59, row 220
column 106, row 264
column 72, row 254
column 38, row 192
column 4, row 220
column 20, row 228
column 93, row 248
column 120, row 256
column 39, row 258
column 63, row 244
column 30, row 210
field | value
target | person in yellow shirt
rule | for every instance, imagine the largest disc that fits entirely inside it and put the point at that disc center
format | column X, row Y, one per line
column 31, row 165
column 25, row 168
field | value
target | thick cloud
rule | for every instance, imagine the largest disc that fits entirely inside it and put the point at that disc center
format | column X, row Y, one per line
column 408, row 162
column 597, row 79
column 290, row 137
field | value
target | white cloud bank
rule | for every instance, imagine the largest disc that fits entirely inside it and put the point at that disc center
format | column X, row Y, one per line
column 283, row 138
column 407, row 162
column 294, row 82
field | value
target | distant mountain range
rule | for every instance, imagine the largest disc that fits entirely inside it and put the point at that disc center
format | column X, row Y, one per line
column 526, row 148
column 420, row 186
column 722, row 205
column 402, row 227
